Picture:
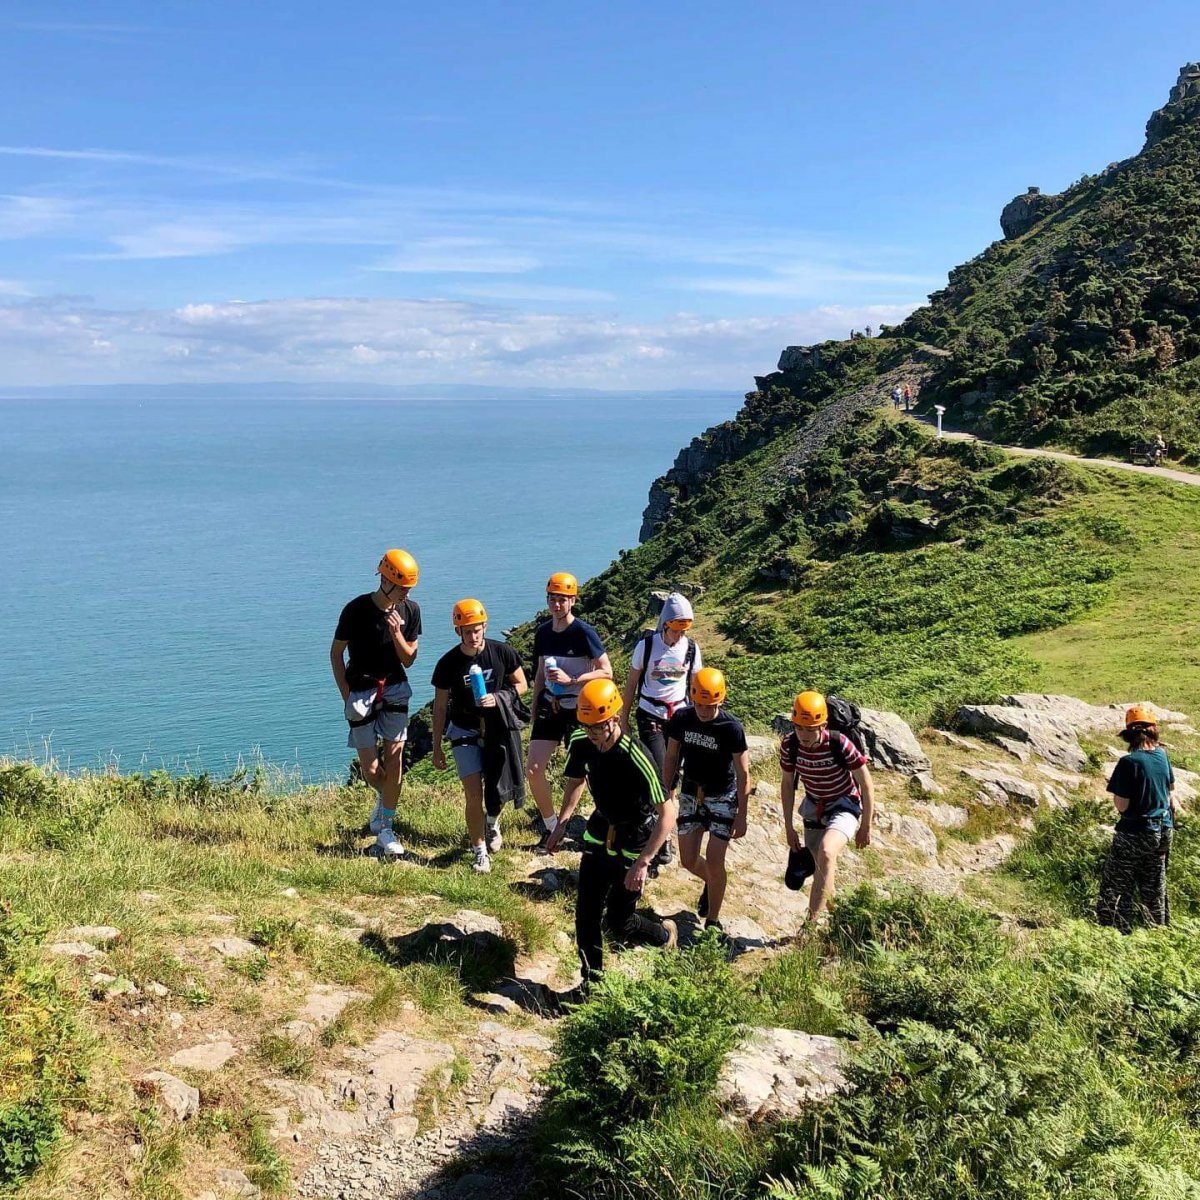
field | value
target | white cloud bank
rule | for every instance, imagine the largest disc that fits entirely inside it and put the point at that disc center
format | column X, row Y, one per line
column 397, row 341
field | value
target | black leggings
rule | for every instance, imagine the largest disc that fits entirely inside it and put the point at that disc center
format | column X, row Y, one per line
column 653, row 733
column 603, row 899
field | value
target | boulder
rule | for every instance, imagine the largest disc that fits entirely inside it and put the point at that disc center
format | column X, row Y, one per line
column 1048, row 737
column 892, row 744
column 177, row 1098
column 505, row 1106
column 761, row 748
column 928, row 785
column 766, row 790
column 901, row 832
column 1002, row 787
column 75, row 950
column 775, row 1072
column 98, row 935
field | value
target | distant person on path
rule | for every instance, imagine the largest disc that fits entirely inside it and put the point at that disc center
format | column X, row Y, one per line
column 661, row 670
column 838, row 799
column 897, row 396
column 1158, row 448
column 380, row 629
column 709, row 744
column 568, row 653
column 631, row 820
column 1141, row 785
column 907, row 398
column 498, row 669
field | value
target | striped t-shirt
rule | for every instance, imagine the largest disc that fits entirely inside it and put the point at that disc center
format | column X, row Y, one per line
column 823, row 777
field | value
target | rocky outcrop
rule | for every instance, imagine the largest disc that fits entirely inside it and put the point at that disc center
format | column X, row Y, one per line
column 892, row 744
column 1047, row 737
column 1022, row 213
column 796, row 359
column 776, row 1072
column 177, row 1099
column 1181, row 106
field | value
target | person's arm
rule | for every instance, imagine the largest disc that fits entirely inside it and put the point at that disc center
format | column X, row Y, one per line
column 671, row 765
column 539, row 684
column 635, row 877
column 406, row 651
column 629, row 697
column 866, row 788
column 515, row 680
column 787, row 794
column 1121, row 803
column 572, row 790
column 337, row 660
column 441, row 696
column 601, row 669
column 741, row 772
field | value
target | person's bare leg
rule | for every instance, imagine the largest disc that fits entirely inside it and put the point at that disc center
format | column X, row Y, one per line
column 717, row 877
column 832, row 844
column 368, row 764
column 393, row 770
column 540, row 753
column 690, row 857
column 473, row 791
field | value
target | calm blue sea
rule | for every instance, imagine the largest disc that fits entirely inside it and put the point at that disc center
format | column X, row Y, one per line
column 171, row 570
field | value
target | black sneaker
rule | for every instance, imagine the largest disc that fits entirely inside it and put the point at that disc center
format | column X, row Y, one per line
column 540, row 848
column 702, row 903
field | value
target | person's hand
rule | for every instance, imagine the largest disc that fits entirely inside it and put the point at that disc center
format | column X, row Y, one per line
column 395, row 622
column 793, row 838
column 552, row 842
column 488, row 701
column 439, row 758
column 635, row 877
column 862, row 839
column 558, row 675
column 739, row 826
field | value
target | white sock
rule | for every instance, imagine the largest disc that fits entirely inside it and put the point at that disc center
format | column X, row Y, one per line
column 551, row 824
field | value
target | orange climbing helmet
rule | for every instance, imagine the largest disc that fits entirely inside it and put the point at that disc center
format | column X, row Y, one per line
column 562, row 583
column 599, row 701
column 708, row 686
column 810, row 710
column 1140, row 714
column 399, row 567
column 468, row 612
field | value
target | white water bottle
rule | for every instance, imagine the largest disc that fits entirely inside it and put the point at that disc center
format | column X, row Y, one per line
column 555, row 689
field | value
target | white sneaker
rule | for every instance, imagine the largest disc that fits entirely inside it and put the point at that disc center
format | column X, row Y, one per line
column 376, row 822
column 494, row 838
column 387, row 843
column 481, row 862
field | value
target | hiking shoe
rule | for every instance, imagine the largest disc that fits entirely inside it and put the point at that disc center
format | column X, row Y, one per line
column 672, row 932
column 494, row 838
column 375, row 824
column 702, row 903
column 540, row 848
column 481, row 863
column 387, row 844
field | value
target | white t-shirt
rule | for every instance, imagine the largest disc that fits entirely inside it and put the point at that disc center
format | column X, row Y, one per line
column 666, row 677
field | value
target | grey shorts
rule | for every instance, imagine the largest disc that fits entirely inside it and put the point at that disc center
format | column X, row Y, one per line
column 468, row 759
column 715, row 814
column 842, row 822
column 381, row 724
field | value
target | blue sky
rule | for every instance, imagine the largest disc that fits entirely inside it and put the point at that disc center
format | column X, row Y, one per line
column 617, row 195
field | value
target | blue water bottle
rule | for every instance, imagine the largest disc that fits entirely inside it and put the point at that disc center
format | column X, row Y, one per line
column 555, row 689
column 478, row 684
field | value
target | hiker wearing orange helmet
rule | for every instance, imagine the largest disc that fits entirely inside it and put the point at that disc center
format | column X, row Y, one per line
column 708, row 745
column 380, row 629
column 838, row 799
column 1142, row 786
column 466, row 683
column 631, row 820
column 568, row 653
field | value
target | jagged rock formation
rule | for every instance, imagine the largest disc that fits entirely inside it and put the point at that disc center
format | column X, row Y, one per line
column 1024, row 212
column 1177, row 109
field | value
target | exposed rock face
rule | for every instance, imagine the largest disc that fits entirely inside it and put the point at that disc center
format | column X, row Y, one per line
column 892, row 744
column 176, row 1097
column 900, row 831
column 775, row 1072
column 1022, row 213
column 999, row 787
column 1048, row 737
column 1180, row 106
column 800, row 358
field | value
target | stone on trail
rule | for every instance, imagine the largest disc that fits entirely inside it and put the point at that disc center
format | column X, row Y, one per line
column 299, row 1033
column 75, row 950
column 503, row 1036
column 396, row 1066
column 505, row 1105
column 761, row 748
column 98, row 935
column 1047, row 736
column 765, row 790
column 209, row 1056
column 928, row 785
column 179, row 1099
column 233, row 947
column 891, row 743
column 325, row 1003
column 948, row 816
column 775, row 1072
column 236, row 1183
column 1003, row 787
column 900, row 832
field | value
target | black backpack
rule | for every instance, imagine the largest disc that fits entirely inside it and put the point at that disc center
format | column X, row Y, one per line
column 845, row 718
column 689, row 661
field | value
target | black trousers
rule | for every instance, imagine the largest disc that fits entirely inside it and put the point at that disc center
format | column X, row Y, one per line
column 653, row 732
column 604, row 900
column 1136, row 866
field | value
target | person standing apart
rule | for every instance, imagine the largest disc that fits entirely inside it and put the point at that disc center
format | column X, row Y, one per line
column 466, row 681
column 897, row 396
column 1141, row 785
column 632, row 819
column 838, row 799
column 709, row 744
column 569, row 654
column 381, row 630
column 907, row 398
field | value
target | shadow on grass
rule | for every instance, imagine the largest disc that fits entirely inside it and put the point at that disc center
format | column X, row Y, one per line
column 479, row 958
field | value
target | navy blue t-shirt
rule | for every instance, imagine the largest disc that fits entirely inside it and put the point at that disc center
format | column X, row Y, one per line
column 574, row 647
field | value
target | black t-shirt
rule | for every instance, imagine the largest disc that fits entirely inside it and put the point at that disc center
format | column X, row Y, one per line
column 624, row 784
column 372, row 652
column 708, row 748
column 497, row 661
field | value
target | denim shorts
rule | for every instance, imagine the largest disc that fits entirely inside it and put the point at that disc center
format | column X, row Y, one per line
column 842, row 822
column 379, row 723
column 468, row 759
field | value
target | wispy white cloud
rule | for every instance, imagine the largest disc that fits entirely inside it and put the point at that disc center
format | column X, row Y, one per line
column 457, row 255
column 535, row 293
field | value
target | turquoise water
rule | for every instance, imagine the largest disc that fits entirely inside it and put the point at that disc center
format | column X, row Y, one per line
column 171, row 571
